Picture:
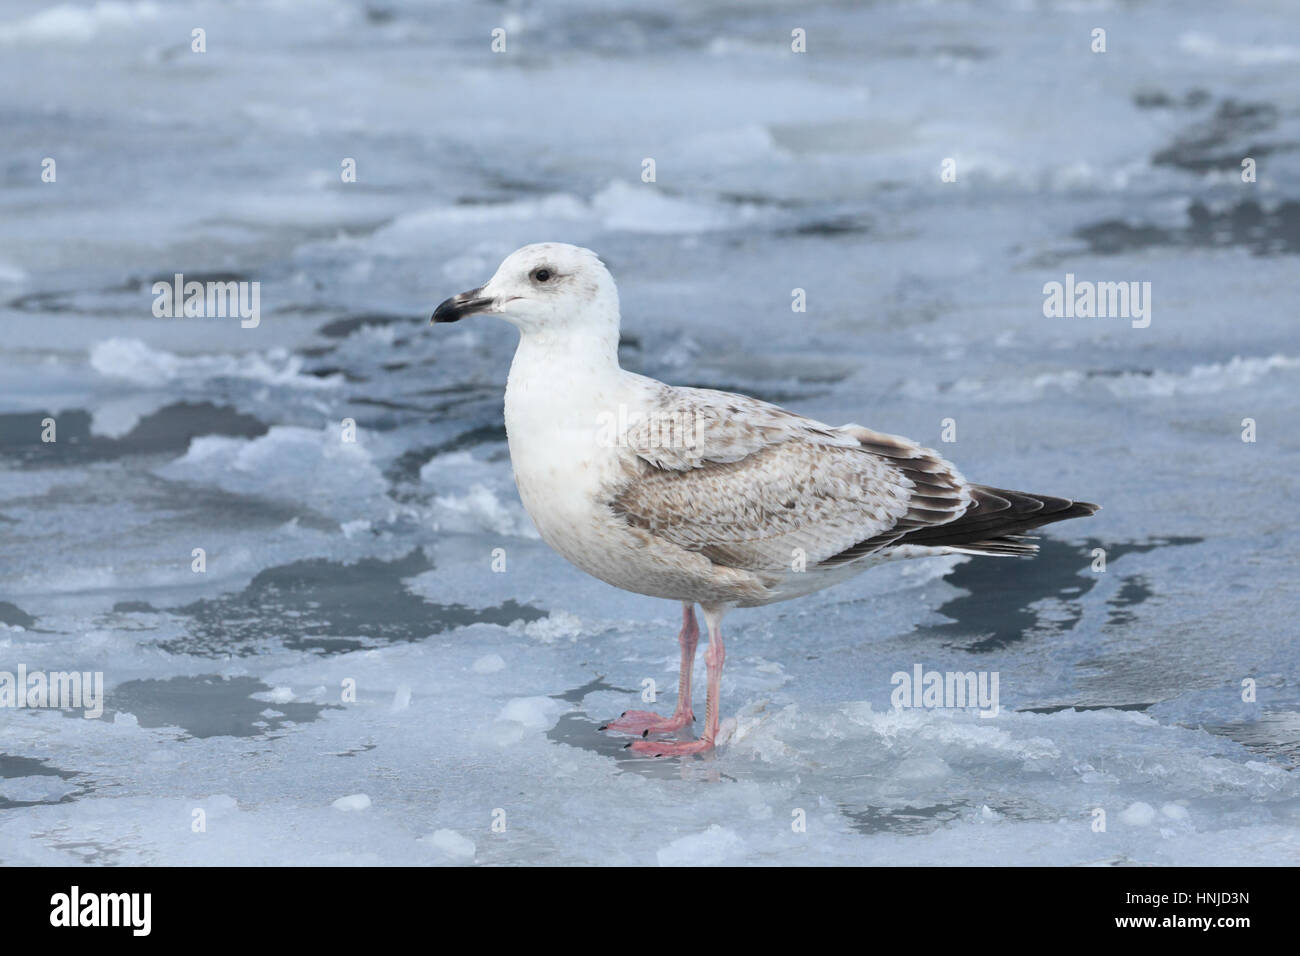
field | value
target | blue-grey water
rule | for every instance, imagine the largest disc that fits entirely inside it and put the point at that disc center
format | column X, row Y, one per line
column 348, row 634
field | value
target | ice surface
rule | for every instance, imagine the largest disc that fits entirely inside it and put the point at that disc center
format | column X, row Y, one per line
column 381, row 663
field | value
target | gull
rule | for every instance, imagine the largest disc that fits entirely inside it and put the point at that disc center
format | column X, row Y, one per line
column 708, row 497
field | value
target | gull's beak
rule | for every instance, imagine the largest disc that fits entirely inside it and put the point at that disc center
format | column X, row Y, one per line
column 459, row 306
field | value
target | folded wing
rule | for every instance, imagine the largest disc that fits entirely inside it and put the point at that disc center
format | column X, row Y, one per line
column 754, row 487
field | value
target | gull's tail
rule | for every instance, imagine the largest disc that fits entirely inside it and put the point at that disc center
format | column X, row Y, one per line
column 996, row 522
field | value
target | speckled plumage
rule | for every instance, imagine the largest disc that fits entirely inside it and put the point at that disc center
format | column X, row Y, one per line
column 700, row 495
column 777, row 495
column 704, row 496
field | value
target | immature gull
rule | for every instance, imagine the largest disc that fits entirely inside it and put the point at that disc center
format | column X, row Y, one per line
column 708, row 497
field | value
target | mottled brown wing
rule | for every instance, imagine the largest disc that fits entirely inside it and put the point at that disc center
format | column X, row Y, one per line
column 755, row 487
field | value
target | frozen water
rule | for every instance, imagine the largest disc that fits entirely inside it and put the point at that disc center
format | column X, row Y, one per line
column 381, row 663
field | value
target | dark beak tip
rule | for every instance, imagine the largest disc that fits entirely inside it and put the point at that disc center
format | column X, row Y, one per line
column 459, row 306
column 449, row 310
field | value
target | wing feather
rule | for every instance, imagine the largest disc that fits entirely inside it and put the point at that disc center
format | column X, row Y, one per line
column 755, row 487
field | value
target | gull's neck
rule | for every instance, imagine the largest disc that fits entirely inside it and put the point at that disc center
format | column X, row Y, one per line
column 565, row 360
column 560, row 384
column 596, row 348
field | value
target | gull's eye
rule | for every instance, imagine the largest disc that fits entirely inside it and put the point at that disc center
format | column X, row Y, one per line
column 542, row 275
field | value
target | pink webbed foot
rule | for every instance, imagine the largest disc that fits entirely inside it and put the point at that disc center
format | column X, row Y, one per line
column 643, row 723
column 670, row 748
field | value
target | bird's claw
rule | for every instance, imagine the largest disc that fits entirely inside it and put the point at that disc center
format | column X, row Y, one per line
column 644, row 723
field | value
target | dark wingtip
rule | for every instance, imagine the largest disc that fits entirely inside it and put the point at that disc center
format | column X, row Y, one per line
column 995, row 519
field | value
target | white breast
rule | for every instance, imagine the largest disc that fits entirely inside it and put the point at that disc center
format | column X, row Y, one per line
column 567, row 447
column 563, row 454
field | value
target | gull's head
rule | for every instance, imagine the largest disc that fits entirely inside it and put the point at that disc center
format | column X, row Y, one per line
column 548, row 286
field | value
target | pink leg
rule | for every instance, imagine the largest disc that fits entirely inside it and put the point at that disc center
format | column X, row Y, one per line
column 643, row 722
column 714, row 658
